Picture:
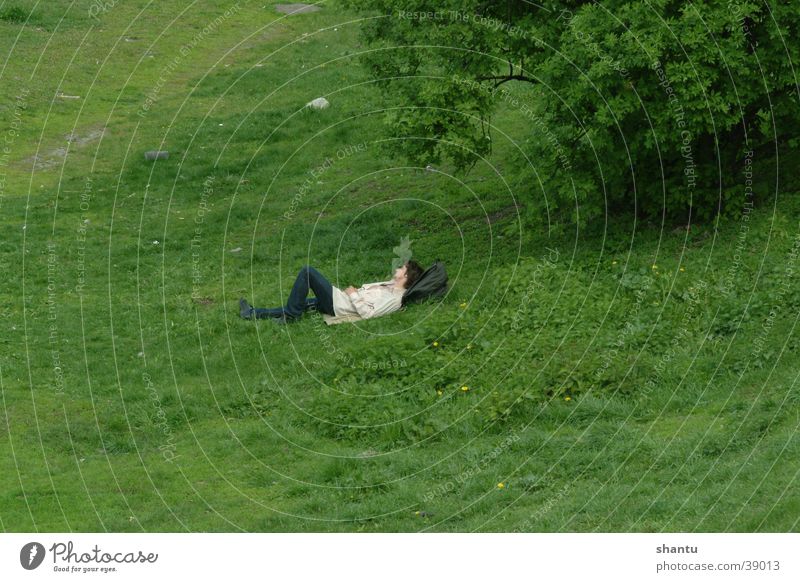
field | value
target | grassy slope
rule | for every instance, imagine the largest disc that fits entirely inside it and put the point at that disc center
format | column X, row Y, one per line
column 274, row 434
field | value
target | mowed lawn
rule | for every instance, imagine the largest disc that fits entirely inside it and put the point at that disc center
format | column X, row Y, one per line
column 624, row 377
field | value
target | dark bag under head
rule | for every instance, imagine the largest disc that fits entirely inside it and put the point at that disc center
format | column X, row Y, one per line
column 432, row 283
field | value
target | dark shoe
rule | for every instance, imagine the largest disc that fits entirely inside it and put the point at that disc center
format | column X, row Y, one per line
column 245, row 309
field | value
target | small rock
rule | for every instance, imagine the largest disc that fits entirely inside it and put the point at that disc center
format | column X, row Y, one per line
column 156, row 155
column 318, row 103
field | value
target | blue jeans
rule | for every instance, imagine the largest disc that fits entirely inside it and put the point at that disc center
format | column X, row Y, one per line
column 307, row 279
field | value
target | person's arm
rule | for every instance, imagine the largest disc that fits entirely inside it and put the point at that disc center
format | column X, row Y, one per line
column 375, row 304
column 365, row 307
column 368, row 285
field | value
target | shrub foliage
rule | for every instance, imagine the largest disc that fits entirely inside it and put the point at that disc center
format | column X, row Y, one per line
column 656, row 106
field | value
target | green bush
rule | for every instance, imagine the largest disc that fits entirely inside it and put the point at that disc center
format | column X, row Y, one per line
column 655, row 106
column 14, row 14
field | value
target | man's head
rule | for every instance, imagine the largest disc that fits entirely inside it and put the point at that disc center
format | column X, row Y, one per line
column 408, row 274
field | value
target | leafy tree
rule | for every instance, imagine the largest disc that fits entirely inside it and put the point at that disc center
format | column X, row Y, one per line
column 652, row 105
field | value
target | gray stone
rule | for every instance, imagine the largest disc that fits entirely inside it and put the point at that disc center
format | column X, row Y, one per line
column 156, row 155
column 318, row 103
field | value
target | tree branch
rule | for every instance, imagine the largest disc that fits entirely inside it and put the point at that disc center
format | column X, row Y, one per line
column 579, row 136
column 505, row 78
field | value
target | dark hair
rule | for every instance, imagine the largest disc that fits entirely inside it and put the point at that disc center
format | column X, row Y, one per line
column 413, row 272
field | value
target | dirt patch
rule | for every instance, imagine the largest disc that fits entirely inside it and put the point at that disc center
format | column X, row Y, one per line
column 493, row 217
column 297, row 8
column 259, row 39
column 89, row 137
column 55, row 157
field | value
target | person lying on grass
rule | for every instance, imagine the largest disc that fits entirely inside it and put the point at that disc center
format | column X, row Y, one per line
column 370, row 300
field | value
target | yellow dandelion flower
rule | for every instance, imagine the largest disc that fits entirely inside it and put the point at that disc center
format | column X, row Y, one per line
column 465, row 388
column 682, row 269
column 435, row 344
column 439, row 392
column 654, row 267
column 501, row 486
column 463, row 305
column 567, row 398
column 613, row 262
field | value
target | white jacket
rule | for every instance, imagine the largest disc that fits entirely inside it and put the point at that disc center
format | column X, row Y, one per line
column 370, row 300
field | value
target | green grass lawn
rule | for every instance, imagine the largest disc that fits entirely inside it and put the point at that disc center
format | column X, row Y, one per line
column 620, row 378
